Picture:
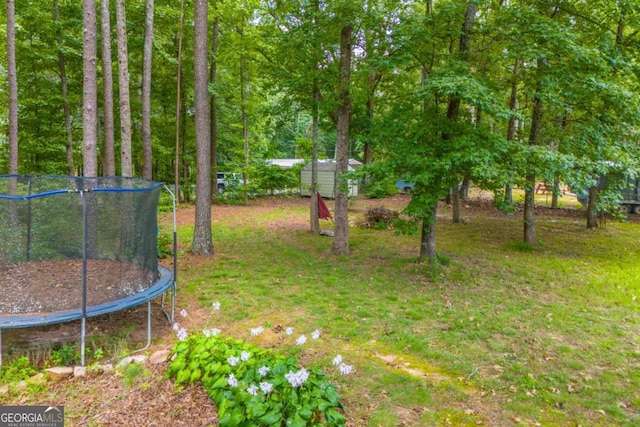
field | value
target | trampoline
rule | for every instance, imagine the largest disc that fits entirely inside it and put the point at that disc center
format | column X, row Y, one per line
column 75, row 247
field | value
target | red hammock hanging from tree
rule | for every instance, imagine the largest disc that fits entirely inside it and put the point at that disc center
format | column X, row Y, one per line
column 323, row 210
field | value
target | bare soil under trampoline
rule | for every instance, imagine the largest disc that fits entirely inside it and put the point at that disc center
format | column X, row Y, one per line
column 48, row 286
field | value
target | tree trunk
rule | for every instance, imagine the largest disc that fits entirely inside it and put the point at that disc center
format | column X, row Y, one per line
column 202, row 239
column 147, row 150
column 511, row 128
column 529, row 211
column 123, row 82
column 456, row 212
column 453, row 109
column 534, row 139
column 90, row 90
column 109, row 166
column 315, row 222
column 555, row 194
column 508, row 193
column 184, row 163
column 315, row 114
column 13, row 87
column 372, row 83
column 245, row 90
column 64, row 91
column 213, row 108
column 464, row 188
column 341, row 234
column 428, row 237
column 592, row 213
column 176, row 165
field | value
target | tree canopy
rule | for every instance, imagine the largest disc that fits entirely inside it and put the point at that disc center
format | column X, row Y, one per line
column 501, row 93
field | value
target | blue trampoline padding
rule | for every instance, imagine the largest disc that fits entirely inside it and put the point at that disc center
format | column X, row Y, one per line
column 163, row 284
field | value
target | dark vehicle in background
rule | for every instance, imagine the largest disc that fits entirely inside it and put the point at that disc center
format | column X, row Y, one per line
column 629, row 193
column 227, row 180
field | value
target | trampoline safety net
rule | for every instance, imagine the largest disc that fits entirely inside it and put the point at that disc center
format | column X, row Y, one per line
column 68, row 243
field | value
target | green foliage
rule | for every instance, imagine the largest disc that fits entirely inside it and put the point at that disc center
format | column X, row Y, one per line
column 256, row 399
column 165, row 204
column 20, row 369
column 500, row 202
column 271, row 178
column 379, row 188
column 165, row 244
column 65, row 356
column 134, row 373
column 379, row 180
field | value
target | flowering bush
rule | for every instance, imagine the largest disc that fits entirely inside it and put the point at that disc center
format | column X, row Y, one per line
column 256, row 387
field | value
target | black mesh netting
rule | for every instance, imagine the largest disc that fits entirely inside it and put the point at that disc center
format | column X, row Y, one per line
column 59, row 234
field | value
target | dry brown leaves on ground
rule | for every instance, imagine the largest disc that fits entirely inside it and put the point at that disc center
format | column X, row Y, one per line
column 152, row 400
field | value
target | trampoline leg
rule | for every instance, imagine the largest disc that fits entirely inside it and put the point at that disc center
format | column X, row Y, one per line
column 82, row 340
column 148, row 329
column 148, row 324
column 173, row 303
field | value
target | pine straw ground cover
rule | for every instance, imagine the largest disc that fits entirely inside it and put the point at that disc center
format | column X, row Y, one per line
column 502, row 335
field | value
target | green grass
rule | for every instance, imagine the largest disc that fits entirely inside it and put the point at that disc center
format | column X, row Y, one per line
column 505, row 332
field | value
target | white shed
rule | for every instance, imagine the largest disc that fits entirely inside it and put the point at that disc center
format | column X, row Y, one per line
column 284, row 163
column 326, row 180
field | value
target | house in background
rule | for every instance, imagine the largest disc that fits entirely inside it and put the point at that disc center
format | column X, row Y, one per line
column 284, row 163
column 327, row 171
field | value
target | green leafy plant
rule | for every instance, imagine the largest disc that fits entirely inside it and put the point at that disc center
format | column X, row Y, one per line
column 65, row 356
column 18, row 370
column 256, row 387
column 133, row 373
column 165, row 244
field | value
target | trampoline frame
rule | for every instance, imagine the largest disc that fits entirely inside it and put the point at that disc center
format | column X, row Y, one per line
column 166, row 282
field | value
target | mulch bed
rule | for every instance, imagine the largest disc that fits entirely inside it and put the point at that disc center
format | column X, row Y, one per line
column 48, row 286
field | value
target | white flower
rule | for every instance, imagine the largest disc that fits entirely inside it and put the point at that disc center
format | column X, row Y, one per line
column 182, row 334
column 345, row 369
column 301, row 340
column 233, row 361
column 252, row 390
column 337, row 360
column 244, row 356
column 263, row 371
column 232, row 381
column 256, row 331
column 176, row 326
column 289, row 331
column 216, row 306
column 266, row 387
column 183, row 313
column 211, row 332
column 296, row 379
column 316, row 334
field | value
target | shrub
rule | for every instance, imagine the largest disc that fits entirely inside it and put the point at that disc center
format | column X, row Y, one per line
column 380, row 187
column 380, row 217
column 252, row 386
column 165, row 244
column 19, row 370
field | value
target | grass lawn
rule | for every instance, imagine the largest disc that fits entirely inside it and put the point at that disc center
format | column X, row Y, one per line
column 503, row 335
